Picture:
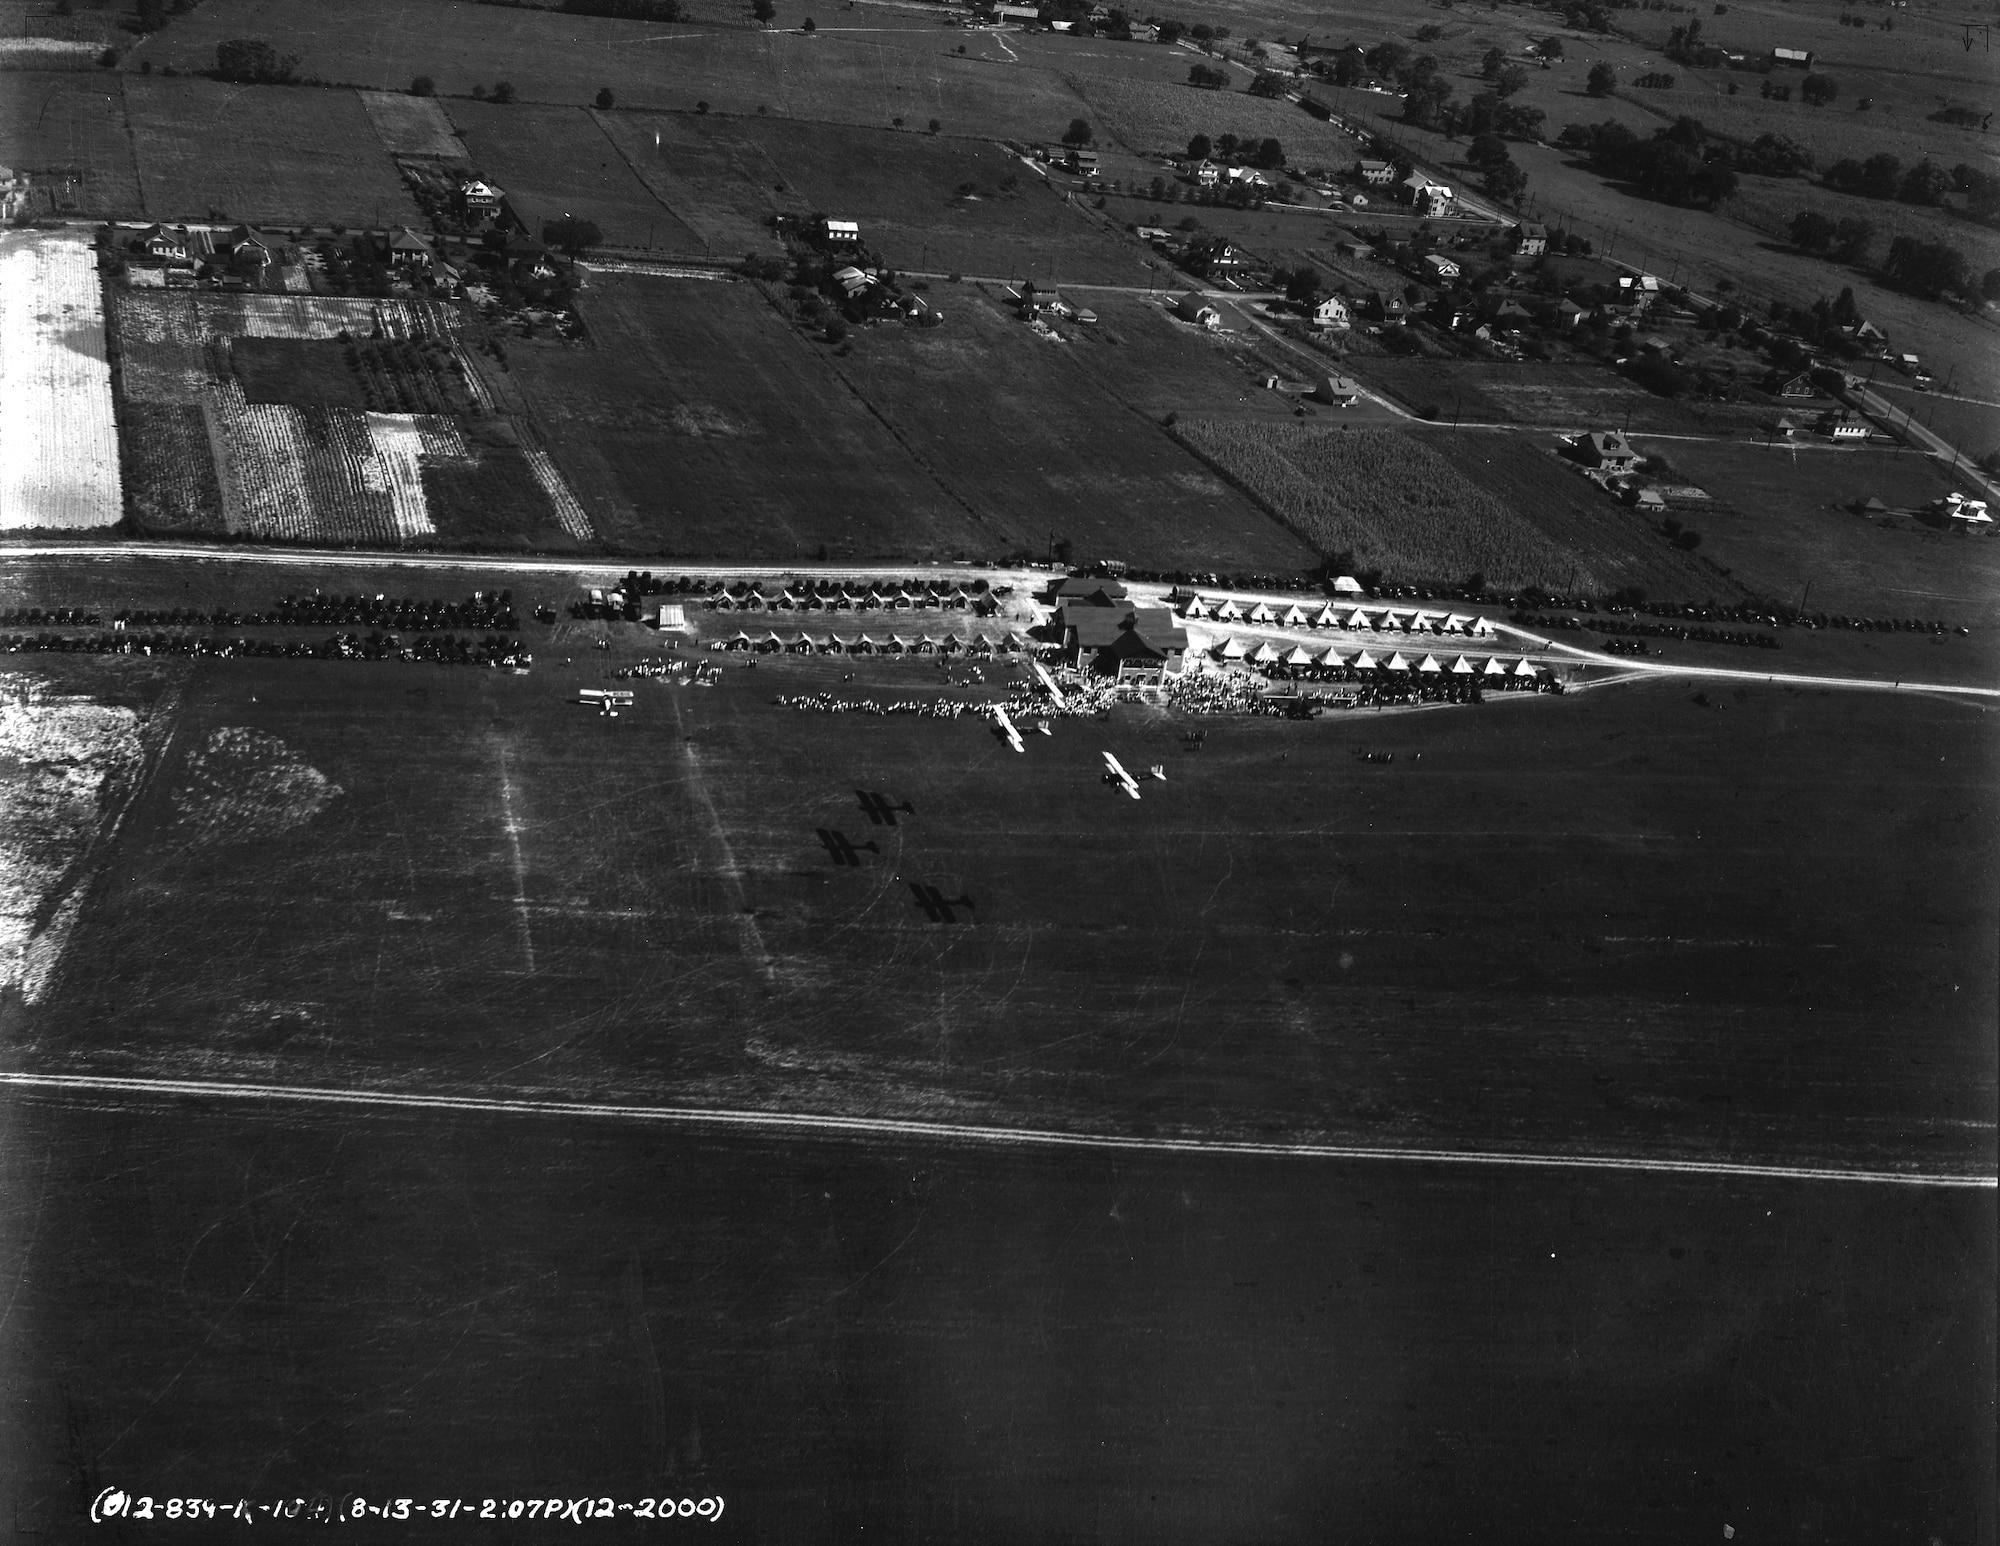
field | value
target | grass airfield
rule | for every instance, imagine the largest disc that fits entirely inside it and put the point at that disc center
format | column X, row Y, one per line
column 1624, row 922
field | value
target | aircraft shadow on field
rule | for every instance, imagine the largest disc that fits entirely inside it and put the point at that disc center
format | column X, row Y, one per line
column 842, row 850
column 879, row 810
column 936, row 905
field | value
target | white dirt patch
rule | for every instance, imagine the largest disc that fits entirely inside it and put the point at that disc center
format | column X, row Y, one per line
column 57, row 757
column 569, row 513
column 244, row 785
column 397, row 469
column 58, row 435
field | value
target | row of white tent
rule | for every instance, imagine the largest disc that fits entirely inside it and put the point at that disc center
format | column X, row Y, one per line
column 1224, row 610
column 837, row 601
column 1268, row 654
column 863, row 644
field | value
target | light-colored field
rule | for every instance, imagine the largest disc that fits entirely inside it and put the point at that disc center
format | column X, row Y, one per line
column 265, row 154
column 411, row 126
column 58, row 434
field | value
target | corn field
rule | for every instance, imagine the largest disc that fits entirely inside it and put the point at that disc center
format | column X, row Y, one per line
column 1384, row 497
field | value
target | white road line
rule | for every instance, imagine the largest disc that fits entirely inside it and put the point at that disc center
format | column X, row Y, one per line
column 952, row 1132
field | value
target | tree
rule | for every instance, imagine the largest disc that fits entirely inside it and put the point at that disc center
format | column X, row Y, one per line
column 763, row 11
column 1200, row 147
column 253, row 62
column 1552, row 48
column 1269, row 155
column 1208, row 77
column 423, row 86
column 571, row 236
column 1818, row 90
column 1485, row 150
column 1492, row 62
column 810, row 25
column 1505, row 180
column 1602, row 80
column 1268, row 83
column 1851, row 238
column 1989, row 284
column 1924, row 183
column 1078, row 132
column 1302, row 286
column 1929, row 268
column 605, row 100
column 1811, row 231
column 1512, row 79
column 1386, row 60
column 503, row 91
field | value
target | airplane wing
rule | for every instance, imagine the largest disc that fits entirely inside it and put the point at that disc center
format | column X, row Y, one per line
column 1116, row 770
column 1007, row 728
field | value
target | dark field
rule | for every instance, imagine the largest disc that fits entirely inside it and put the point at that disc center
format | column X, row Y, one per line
column 556, row 161
column 867, row 68
column 1609, row 541
column 1788, row 526
column 68, row 129
column 1022, row 431
column 1558, row 396
column 881, row 1342
column 907, row 189
column 264, row 154
column 703, row 425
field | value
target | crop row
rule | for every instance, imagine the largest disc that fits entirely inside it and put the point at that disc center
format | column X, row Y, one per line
column 1379, row 500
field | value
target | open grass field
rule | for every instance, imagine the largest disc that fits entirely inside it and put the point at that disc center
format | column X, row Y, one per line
column 1144, row 356
column 702, row 424
column 906, row 1343
column 1974, row 427
column 867, row 69
column 1536, row 937
column 411, row 126
column 1385, row 499
column 1556, row 395
column 556, row 161
column 58, row 433
column 1604, row 538
column 1786, row 527
column 931, row 203
column 264, row 154
column 67, row 129
column 1022, row 431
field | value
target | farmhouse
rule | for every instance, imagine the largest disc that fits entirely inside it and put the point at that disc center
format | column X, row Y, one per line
column 1956, row 507
column 1205, row 173
column 1192, row 308
column 1531, row 239
column 249, row 250
column 1376, row 174
column 481, row 199
column 840, row 233
column 1384, row 307
column 164, row 246
column 1837, row 424
column 1438, row 267
column 1795, row 58
column 1340, row 391
column 1425, row 195
column 406, row 249
column 1568, row 313
column 1331, row 311
column 1606, row 450
column 1799, row 385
